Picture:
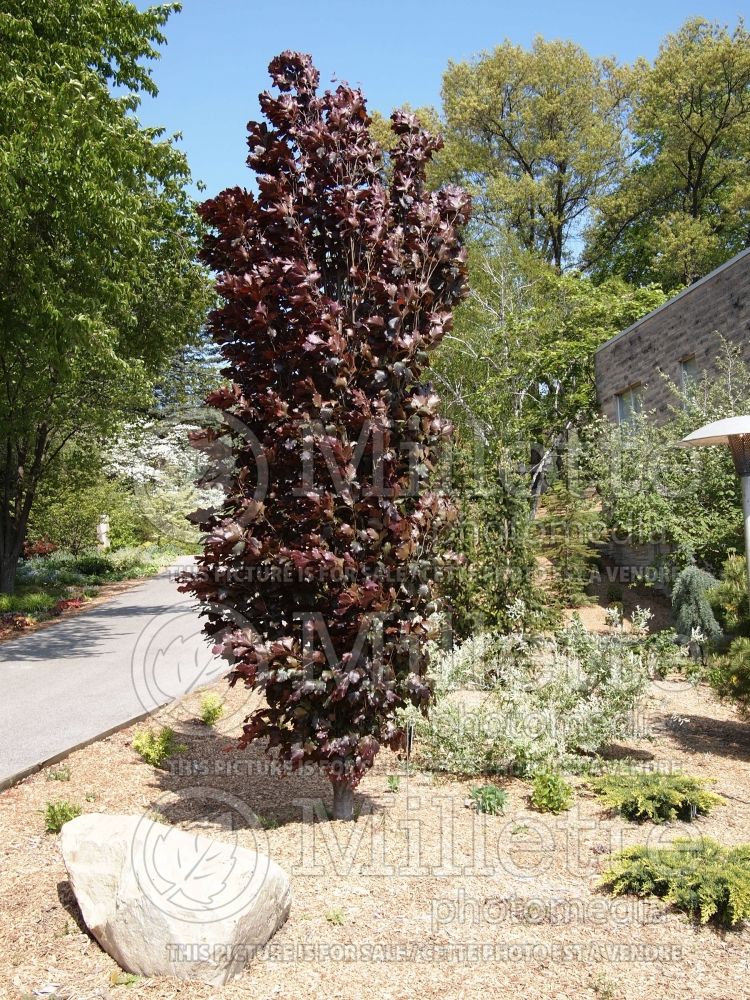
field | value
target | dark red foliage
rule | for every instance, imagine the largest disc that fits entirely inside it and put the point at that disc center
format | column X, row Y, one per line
column 66, row 603
column 38, row 548
column 336, row 283
column 11, row 621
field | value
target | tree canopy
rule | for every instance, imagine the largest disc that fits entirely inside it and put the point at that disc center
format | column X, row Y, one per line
column 536, row 135
column 97, row 248
column 684, row 205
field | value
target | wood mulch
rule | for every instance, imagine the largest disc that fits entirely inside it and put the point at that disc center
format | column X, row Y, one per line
column 420, row 898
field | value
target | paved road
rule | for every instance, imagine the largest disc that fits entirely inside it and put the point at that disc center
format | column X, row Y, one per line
column 93, row 672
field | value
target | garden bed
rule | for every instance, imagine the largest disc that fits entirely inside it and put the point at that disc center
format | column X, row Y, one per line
column 355, row 929
column 55, row 587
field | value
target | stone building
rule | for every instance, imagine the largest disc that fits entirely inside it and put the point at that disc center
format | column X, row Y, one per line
column 680, row 339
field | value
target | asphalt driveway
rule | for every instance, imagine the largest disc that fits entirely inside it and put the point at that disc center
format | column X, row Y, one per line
column 94, row 672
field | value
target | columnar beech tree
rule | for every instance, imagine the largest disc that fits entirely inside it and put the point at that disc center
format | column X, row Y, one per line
column 315, row 578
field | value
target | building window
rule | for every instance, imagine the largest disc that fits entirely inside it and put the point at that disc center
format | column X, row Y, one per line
column 629, row 404
column 688, row 373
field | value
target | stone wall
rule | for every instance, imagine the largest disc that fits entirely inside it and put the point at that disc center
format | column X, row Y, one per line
column 687, row 326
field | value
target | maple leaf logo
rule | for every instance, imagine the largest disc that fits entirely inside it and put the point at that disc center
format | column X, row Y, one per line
column 182, row 665
column 195, row 874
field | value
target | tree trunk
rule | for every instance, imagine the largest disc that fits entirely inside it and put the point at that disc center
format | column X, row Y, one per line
column 8, row 566
column 343, row 800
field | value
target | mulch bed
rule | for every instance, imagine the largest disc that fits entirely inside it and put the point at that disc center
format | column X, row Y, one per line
column 420, row 898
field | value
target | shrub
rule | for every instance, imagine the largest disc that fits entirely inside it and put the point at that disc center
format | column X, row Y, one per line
column 700, row 877
column 41, row 547
column 57, row 814
column 68, row 604
column 394, row 783
column 551, row 792
column 729, row 597
column 640, row 620
column 729, row 673
column 68, row 569
column 690, row 605
column 488, row 799
column 212, row 709
column 93, row 565
column 334, row 289
column 659, row 798
column 11, row 622
column 156, row 748
column 666, row 653
column 544, row 701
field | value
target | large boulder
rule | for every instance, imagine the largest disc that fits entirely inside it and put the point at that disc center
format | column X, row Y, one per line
column 164, row 902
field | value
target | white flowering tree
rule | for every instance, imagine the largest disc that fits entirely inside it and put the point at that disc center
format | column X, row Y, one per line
column 155, row 459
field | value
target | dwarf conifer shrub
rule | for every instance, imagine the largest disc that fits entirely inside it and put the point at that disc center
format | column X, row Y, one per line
column 659, row 798
column 336, row 283
column 690, row 604
column 700, row 877
column 729, row 673
column 729, row 596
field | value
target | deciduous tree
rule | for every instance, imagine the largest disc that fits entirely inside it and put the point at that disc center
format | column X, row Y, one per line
column 335, row 286
column 684, row 206
column 97, row 263
column 536, row 135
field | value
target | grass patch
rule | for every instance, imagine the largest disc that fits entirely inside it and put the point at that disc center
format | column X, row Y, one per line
column 59, row 774
column 268, row 822
column 57, row 814
column 700, row 877
column 658, row 798
column 28, row 601
column 157, row 748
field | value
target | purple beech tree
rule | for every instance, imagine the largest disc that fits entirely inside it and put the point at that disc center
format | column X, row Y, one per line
column 336, row 283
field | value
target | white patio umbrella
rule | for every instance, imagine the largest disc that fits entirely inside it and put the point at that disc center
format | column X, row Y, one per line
column 732, row 432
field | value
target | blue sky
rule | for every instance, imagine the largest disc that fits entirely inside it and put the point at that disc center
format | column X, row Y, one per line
column 216, row 61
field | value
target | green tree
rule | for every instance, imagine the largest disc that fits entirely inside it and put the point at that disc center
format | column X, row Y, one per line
column 97, row 244
column 492, row 584
column 684, row 206
column 536, row 135
column 654, row 491
column 570, row 527
column 519, row 367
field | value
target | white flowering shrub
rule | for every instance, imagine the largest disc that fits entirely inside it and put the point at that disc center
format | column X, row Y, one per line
column 510, row 704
